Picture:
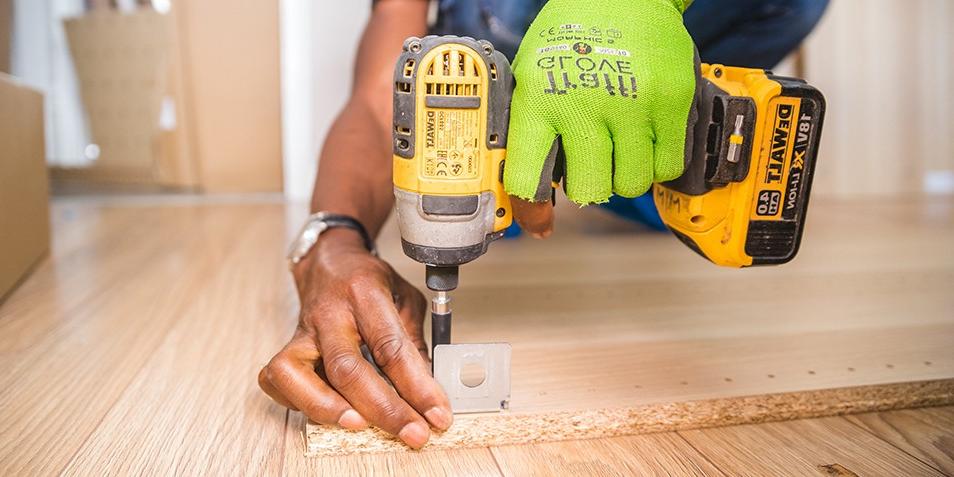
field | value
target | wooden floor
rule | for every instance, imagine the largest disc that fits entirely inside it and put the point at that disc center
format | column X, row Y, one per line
column 134, row 347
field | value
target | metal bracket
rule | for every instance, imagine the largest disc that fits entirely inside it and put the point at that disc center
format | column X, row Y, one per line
column 490, row 395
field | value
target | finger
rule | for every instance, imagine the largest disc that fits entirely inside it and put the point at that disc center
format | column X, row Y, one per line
column 356, row 380
column 633, row 159
column 396, row 354
column 671, row 127
column 411, row 306
column 531, row 152
column 270, row 390
column 534, row 217
column 670, row 149
column 589, row 165
column 291, row 375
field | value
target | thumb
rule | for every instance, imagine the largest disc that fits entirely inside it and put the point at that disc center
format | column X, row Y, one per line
column 535, row 217
column 531, row 151
column 411, row 306
column 528, row 175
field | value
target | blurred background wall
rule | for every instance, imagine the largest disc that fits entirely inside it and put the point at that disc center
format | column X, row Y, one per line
column 238, row 95
column 318, row 48
column 154, row 94
column 887, row 70
column 39, row 56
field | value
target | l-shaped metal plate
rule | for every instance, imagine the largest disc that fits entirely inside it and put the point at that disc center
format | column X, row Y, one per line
column 491, row 395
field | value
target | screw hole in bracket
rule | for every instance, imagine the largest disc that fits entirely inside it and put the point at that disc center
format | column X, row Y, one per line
column 472, row 374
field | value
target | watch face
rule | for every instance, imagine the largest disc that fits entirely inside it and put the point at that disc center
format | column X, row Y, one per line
column 309, row 236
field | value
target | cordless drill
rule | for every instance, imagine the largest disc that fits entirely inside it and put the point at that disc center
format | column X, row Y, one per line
column 741, row 200
column 451, row 112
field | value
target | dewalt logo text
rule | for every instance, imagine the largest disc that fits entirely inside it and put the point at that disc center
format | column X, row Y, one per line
column 429, row 132
column 780, row 137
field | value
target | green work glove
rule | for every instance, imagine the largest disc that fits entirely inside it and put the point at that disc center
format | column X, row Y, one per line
column 615, row 79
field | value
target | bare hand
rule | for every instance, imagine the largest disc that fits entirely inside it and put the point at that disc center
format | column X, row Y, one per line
column 349, row 297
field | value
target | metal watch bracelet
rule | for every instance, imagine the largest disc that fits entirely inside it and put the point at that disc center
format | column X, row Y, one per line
column 316, row 225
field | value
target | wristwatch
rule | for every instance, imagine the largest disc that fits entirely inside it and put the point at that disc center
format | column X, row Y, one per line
column 317, row 224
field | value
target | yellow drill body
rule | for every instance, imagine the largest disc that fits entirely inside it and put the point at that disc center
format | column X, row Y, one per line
column 452, row 106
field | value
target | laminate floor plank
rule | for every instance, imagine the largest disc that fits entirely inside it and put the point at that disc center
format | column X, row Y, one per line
column 649, row 455
column 827, row 446
column 109, row 307
column 926, row 433
column 103, row 241
column 203, row 412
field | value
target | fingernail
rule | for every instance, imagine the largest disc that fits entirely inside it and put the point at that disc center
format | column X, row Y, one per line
column 439, row 417
column 350, row 419
column 415, row 435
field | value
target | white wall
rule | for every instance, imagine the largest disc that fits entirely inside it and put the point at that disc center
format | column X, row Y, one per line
column 41, row 59
column 887, row 71
column 319, row 42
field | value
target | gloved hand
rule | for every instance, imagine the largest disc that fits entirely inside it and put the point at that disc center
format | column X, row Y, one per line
column 614, row 79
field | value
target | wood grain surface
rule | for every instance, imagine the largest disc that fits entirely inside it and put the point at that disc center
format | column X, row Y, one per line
column 652, row 454
column 830, row 446
column 923, row 433
column 133, row 349
column 611, row 325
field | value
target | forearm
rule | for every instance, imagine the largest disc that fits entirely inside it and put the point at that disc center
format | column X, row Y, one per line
column 354, row 172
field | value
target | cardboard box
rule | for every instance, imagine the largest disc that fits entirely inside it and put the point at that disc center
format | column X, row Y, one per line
column 234, row 91
column 24, row 190
column 6, row 34
column 216, row 61
column 128, row 66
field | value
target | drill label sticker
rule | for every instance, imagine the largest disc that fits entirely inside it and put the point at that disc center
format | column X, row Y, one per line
column 451, row 144
column 768, row 203
column 773, row 171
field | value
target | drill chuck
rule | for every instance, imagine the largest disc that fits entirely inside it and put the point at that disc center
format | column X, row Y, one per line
column 441, row 278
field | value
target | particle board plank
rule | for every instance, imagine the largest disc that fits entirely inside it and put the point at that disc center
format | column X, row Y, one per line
column 196, row 408
column 107, row 308
column 451, row 462
column 840, row 236
column 584, row 423
column 610, row 334
column 927, row 434
column 829, row 446
column 653, row 454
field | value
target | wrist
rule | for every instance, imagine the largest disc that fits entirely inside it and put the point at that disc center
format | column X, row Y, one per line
column 332, row 242
column 340, row 239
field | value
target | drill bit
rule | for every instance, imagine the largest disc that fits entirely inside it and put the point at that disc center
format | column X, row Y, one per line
column 440, row 319
column 441, row 279
column 735, row 140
